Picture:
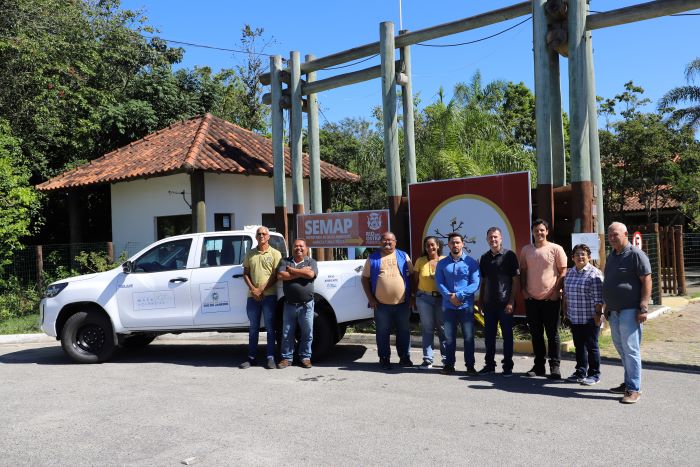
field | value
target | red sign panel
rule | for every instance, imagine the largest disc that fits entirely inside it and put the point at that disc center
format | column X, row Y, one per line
column 470, row 206
column 343, row 229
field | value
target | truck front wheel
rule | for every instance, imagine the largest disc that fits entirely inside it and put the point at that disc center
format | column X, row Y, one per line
column 87, row 337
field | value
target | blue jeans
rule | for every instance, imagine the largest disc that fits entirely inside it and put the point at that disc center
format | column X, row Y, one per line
column 397, row 315
column 627, row 337
column 587, row 351
column 430, row 311
column 492, row 316
column 304, row 314
column 255, row 309
column 465, row 318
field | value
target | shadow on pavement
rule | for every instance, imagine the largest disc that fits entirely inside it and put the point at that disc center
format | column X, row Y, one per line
column 224, row 355
column 542, row 386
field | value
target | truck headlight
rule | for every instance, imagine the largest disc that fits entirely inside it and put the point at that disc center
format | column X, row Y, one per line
column 54, row 289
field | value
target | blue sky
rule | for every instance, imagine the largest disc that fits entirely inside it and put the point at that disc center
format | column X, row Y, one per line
column 652, row 53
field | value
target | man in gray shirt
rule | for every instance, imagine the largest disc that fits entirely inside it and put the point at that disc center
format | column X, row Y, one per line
column 626, row 293
column 297, row 274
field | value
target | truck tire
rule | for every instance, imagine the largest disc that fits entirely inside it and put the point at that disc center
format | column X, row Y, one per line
column 138, row 341
column 87, row 337
column 324, row 335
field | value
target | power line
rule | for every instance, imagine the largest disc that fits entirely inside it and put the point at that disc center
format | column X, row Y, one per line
column 350, row 64
column 477, row 40
column 204, row 46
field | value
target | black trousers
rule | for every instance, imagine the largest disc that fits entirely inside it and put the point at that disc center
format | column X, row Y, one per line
column 543, row 316
column 587, row 352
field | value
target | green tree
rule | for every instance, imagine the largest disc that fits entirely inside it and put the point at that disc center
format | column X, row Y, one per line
column 646, row 156
column 471, row 134
column 19, row 202
column 684, row 94
column 353, row 145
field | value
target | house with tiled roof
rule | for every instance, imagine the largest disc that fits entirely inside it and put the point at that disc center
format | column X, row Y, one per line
column 152, row 180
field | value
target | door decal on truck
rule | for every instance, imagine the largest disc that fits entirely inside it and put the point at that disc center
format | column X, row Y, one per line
column 214, row 297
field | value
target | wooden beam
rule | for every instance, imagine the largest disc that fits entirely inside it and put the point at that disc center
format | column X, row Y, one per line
column 421, row 35
column 278, row 171
column 639, row 12
column 295, row 137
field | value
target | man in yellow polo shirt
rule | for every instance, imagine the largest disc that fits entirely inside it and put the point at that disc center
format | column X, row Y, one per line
column 259, row 267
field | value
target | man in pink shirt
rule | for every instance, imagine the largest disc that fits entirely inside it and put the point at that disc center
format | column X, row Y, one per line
column 542, row 272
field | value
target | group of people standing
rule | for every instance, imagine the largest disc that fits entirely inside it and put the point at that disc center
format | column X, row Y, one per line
column 442, row 290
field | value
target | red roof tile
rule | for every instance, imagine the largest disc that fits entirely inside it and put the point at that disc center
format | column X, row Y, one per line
column 633, row 203
column 205, row 143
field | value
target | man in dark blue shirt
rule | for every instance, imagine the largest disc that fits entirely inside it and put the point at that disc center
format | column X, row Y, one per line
column 457, row 279
column 499, row 285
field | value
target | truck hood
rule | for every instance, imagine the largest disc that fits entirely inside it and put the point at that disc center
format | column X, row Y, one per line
column 85, row 277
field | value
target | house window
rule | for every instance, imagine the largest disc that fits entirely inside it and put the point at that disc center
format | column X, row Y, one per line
column 268, row 220
column 223, row 222
column 167, row 226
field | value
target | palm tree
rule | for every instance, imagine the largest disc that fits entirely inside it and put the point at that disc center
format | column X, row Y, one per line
column 689, row 93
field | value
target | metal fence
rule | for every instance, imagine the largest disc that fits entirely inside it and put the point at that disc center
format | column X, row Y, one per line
column 691, row 260
column 32, row 264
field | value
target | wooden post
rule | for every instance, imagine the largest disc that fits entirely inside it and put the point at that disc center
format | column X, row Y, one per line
column 295, row 141
column 110, row 251
column 278, row 147
column 556, row 123
column 409, row 137
column 579, row 74
column 545, row 198
column 656, row 296
column 40, row 267
column 315, row 197
column 594, row 145
column 199, row 208
column 680, row 259
column 391, row 132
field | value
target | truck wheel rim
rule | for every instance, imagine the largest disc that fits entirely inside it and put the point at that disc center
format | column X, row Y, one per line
column 90, row 338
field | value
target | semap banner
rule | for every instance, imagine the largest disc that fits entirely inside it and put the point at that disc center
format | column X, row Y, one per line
column 343, row 229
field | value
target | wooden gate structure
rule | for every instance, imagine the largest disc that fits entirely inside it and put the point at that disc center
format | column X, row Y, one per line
column 665, row 249
column 560, row 27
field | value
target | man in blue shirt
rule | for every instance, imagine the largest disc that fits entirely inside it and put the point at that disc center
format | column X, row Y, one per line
column 457, row 279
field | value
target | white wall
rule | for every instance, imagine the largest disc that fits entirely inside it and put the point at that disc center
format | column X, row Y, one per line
column 136, row 204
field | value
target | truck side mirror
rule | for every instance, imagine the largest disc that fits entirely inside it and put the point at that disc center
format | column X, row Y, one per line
column 128, row 267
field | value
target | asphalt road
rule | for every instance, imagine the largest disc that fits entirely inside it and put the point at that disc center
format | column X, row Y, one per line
column 185, row 401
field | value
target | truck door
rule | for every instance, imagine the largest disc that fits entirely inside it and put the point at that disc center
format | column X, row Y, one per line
column 156, row 294
column 219, row 293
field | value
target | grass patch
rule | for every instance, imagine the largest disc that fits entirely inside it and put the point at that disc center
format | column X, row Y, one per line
column 695, row 295
column 26, row 324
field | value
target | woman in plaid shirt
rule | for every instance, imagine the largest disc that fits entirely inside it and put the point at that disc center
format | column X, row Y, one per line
column 583, row 305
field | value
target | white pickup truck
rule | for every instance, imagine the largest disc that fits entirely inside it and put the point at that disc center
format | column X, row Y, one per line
column 186, row 283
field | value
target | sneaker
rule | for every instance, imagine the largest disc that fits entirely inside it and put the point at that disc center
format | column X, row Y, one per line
column 426, row 365
column 487, row 370
column 405, row 361
column 448, row 369
column 471, row 371
column 507, row 373
column 591, row 380
column 536, row 371
column 306, row 363
column 283, row 364
column 554, row 373
column 247, row 364
column 270, row 363
column 384, row 364
column 631, row 397
column 576, row 377
column 621, row 389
